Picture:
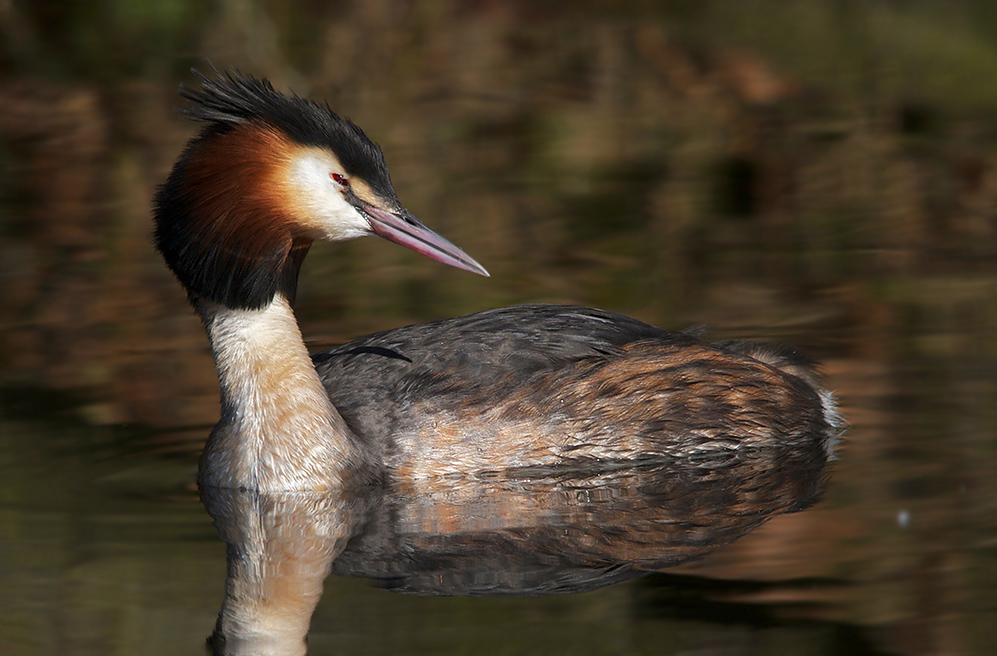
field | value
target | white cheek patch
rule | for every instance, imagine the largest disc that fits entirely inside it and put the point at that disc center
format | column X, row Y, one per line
column 318, row 202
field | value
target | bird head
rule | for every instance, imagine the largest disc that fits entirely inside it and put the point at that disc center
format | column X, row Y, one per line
column 267, row 175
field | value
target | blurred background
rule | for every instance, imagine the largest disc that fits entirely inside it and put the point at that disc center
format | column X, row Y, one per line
column 820, row 173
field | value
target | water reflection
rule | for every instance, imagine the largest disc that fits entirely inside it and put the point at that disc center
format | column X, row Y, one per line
column 280, row 547
column 528, row 533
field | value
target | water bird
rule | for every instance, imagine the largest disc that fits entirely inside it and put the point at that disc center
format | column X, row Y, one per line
column 509, row 389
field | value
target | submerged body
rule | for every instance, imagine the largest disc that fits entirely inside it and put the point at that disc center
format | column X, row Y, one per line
column 521, row 387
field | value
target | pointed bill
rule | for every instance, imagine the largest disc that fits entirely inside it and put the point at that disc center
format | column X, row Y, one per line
column 403, row 228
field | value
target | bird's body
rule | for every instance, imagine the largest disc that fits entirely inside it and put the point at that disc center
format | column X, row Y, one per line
column 519, row 387
column 554, row 385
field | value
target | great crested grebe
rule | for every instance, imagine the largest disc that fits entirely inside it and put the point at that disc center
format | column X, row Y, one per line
column 525, row 386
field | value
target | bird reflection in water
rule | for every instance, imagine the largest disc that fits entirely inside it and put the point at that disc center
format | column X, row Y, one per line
column 530, row 532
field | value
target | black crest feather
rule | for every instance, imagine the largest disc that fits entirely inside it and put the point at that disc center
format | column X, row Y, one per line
column 219, row 233
column 232, row 98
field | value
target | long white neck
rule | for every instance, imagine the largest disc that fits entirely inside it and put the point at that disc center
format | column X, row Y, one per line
column 278, row 429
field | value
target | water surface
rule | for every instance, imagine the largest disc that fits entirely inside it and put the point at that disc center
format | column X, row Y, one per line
column 820, row 174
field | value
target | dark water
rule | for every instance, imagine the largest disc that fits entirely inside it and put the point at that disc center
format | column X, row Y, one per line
column 822, row 174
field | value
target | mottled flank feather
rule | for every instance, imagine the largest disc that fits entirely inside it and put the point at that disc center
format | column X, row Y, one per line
column 538, row 385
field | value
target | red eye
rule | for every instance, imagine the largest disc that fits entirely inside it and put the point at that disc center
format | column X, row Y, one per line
column 340, row 179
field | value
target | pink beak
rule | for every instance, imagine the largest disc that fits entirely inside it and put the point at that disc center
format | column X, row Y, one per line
column 403, row 228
